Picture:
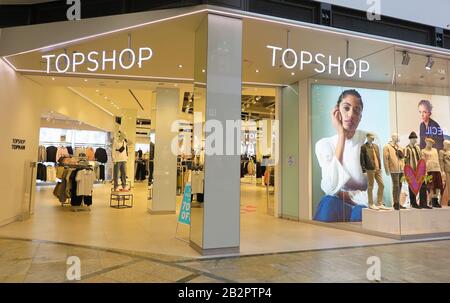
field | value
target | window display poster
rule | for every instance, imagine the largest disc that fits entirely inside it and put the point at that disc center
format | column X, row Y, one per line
column 340, row 186
column 339, row 189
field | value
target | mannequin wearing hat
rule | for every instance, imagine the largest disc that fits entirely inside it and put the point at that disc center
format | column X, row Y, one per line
column 371, row 166
column 444, row 157
column 120, row 158
column 413, row 155
column 393, row 166
column 431, row 155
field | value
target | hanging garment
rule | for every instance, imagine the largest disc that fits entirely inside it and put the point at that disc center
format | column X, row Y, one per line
column 79, row 151
column 51, row 153
column 41, row 172
column 197, row 178
column 101, row 175
column 141, row 170
column 51, row 174
column 90, row 154
column 85, row 182
column 251, row 168
column 59, row 172
column 42, row 154
column 76, row 200
column 61, row 152
column 101, row 155
column 70, row 150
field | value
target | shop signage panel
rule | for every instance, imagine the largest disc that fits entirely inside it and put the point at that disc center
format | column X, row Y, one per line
column 18, row 144
column 98, row 60
column 292, row 59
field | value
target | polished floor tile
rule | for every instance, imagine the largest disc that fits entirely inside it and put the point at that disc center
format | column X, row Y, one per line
column 135, row 230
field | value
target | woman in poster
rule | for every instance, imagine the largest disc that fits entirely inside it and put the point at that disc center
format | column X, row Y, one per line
column 343, row 180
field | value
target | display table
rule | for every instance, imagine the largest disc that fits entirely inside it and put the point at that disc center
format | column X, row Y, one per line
column 124, row 199
column 407, row 222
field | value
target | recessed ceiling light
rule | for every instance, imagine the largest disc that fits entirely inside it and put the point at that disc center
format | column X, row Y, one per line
column 399, row 75
column 180, row 66
column 85, row 80
column 53, row 78
column 96, row 90
column 293, row 74
column 203, row 70
column 257, row 70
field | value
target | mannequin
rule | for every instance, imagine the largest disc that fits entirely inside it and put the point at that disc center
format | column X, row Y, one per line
column 431, row 155
column 371, row 166
column 393, row 166
column 413, row 154
column 444, row 157
column 120, row 158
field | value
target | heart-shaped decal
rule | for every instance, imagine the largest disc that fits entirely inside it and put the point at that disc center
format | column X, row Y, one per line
column 416, row 178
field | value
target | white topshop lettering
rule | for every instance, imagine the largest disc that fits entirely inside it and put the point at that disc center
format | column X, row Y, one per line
column 125, row 59
column 327, row 64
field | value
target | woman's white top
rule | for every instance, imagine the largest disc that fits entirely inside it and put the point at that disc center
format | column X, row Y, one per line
column 347, row 177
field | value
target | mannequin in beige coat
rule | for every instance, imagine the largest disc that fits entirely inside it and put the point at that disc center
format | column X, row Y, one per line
column 393, row 155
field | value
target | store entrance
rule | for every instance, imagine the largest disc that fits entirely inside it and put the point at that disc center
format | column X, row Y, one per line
column 258, row 143
column 74, row 142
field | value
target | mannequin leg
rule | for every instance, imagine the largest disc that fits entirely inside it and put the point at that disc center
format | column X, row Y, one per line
column 413, row 199
column 380, row 184
column 396, row 189
column 370, row 181
column 423, row 197
column 437, row 184
column 116, row 175
column 123, row 174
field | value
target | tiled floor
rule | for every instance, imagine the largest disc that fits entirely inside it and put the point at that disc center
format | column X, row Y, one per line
column 40, row 261
column 134, row 229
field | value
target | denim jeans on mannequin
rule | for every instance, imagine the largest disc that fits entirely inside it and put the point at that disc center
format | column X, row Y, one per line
column 120, row 166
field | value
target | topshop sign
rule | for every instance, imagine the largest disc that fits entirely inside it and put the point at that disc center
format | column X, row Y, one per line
column 125, row 59
column 291, row 59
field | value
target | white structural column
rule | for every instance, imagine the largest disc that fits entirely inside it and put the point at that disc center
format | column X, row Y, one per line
column 221, row 215
column 128, row 126
column 165, row 162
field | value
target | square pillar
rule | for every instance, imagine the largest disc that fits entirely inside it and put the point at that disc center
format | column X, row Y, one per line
column 165, row 161
column 215, row 228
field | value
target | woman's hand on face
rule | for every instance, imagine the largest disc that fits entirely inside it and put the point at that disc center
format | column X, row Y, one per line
column 336, row 118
